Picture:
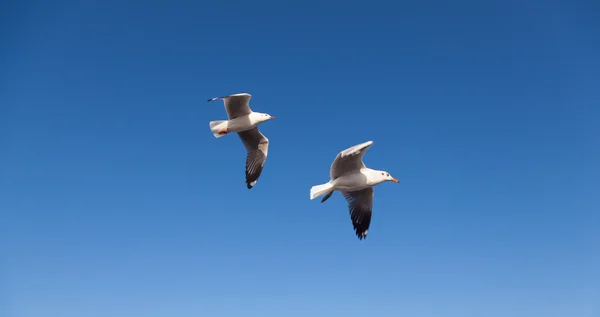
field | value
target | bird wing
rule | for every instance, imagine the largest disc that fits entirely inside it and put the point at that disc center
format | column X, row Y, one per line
column 349, row 160
column 257, row 146
column 360, row 205
column 236, row 105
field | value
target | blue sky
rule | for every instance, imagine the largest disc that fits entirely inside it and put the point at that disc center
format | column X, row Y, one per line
column 117, row 201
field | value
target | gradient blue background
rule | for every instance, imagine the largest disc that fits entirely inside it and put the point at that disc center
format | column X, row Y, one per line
column 116, row 199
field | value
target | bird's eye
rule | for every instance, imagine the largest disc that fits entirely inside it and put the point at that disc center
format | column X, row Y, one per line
column 382, row 174
column 388, row 174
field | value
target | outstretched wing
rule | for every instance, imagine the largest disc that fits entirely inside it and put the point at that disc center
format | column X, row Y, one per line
column 257, row 146
column 349, row 160
column 236, row 105
column 360, row 205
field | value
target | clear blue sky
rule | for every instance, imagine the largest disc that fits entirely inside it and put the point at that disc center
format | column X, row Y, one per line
column 116, row 199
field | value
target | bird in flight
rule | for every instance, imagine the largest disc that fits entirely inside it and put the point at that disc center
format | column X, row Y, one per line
column 244, row 121
column 355, row 181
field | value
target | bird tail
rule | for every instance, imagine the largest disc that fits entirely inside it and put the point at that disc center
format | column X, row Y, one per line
column 320, row 190
column 217, row 126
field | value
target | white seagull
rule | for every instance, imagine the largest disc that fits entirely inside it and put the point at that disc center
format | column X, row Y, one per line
column 245, row 122
column 355, row 181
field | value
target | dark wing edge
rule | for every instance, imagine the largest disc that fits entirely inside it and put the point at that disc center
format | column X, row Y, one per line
column 360, row 205
column 327, row 196
column 255, row 161
column 256, row 145
column 243, row 94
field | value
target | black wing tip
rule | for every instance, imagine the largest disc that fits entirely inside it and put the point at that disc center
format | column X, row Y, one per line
column 251, row 181
column 253, row 172
column 361, row 229
column 327, row 196
column 361, row 235
column 216, row 98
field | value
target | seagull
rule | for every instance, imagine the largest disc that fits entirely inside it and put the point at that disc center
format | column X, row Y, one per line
column 245, row 122
column 355, row 181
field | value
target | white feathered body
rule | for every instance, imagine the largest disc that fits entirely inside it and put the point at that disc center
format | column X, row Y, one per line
column 365, row 178
column 357, row 181
column 238, row 124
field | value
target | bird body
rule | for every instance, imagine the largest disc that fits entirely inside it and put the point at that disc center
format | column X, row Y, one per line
column 359, row 180
column 220, row 128
column 355, row 181
column 245, row 122
column 366, row 177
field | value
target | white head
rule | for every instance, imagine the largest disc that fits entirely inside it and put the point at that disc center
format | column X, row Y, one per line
column 262, row 117
column 383, row 176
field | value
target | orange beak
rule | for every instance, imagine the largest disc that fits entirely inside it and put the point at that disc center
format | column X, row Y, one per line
column 272, row 117
column 395, row 180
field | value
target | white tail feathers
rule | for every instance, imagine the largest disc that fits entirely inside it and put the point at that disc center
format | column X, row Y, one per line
column 217, row 126
column 320, row 190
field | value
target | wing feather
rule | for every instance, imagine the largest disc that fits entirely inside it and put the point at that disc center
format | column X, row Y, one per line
column 236, row 105
column 360, row 206
column 257, row 148
column 349, row 160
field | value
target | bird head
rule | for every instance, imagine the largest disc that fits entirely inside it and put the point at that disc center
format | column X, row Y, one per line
column 387, row 177
column 262, row 117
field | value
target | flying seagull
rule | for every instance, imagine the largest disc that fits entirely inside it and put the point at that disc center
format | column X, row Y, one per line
column 355, row 181
column 245, row 122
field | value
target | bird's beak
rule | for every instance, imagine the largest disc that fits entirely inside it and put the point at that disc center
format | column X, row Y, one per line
column 272, row 117
column 395, row 180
